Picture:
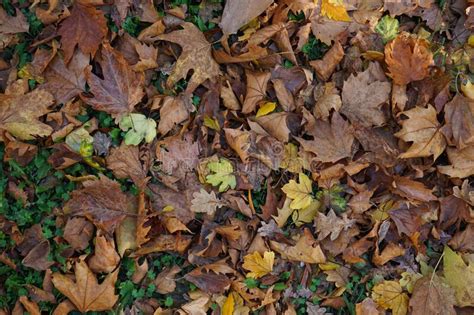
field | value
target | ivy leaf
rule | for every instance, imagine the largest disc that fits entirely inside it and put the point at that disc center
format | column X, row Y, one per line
column 387, row 28
column 222, row 175
column 299, row 192
column 389, row 295
column 257, row 265
column 139, row 127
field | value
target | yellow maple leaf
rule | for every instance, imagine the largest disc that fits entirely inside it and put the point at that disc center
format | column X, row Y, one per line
column 335, row 10
column 265, row 109
column 459, row 276
column 299, row 192
column 389, row 295
column 307, row 214
column 258, row 265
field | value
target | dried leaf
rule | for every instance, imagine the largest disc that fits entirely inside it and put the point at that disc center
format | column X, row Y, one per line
column 256, row 89
column 299, row 192
column 257, row 265
column 305, row 250
column 389, row 295
column 85, row 292
column 459, row 276
column 239, row 12
column 205, row 202
column 432, row 296
column 221, row 174
column 331, row 224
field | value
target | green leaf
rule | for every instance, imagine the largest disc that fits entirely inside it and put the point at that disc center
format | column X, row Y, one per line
column 387, row 28
column 222, row 174
column 139, row 127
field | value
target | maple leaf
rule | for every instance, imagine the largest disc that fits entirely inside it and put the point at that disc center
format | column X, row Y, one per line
column 362, row 96
column 331, row 224
column 257, row 265
column 19, row 114
column 299, row 192
column 292, row 162
column 327, row 99
column 101, row 201
column 256, row 89
column 389, row 295
column 138, row 128
column 222, row 174
column 332, row 141
column 307, row 214
column 237, row 13
column 85, row 292
column 105, row 258
column 120, row 90
column 196, row 55
column 408, row 59
column 462, row 162
column 305, row 250
column 423, row 129
column 335, row 10
column 124, row 162
column 85, row 28
column 432, row 296
column 204, row 202
column 459, row 276
column 459, row 117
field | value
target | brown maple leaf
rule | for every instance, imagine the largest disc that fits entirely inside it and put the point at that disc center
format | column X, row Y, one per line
column 256, row 89
column 196, row 55
column 363, row 95
column 332, row 141
column 124, row 162
column 85, row 292
column 120, row 90
column 19, row 114
column 432, row 296
column 423, row 129
column 101, row 201
column 408, row 59
column 85, row 27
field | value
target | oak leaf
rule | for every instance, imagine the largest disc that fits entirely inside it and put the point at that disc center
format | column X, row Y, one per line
column 389, row 295
column 432, row 296
column 85, row 292
column 120, row 90
column 299, row 192
column 423, row 129
column 459, row 276
column 101, row 201
column 408, row 59
column 257, row 265
column 332, row 141
column 19, row 114
column 196, row 55
column 364, row 94
column 85, row 28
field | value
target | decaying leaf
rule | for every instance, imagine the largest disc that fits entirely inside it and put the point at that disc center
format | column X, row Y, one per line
column 237, row 13
column 85, row 292
column 305, row 250
column 256, row 89
column 459, row 276
column 389, row 295
column 432, row 296
column 205, row 202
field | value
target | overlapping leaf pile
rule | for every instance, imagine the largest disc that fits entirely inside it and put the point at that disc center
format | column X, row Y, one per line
column 247, row 157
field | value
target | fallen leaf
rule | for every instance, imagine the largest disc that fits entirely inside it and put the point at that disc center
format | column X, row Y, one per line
column 387, row 28
column 11, row 25
column 305, row 250
column 462, row 163
column 85, row 28
column 120, row 90
column 85, row 292
column 280, row 125
column 332, row 141
column 196, row 55
column 408, row 59
column 459, row 117
column 411, row 189
column 423, row 129
column 222, row 174
column 335, row 10
column 329, row 99
column 256, row 89
column 198, row 306
column 331, row 225
column 237, row 13
column 173, row 111
column 78, row 232
column 367, row 307
column 125, row 162
column 31, row 307
column 19, row 114
column 364, row 94
column 257, row 265
column 228, row 307
column 105, row 258
column 389, row 295
column 432, row 296
column 165, row 281
column 101, row 201
column 299, row 192
column 326, row 66
column 459, row 276
column 138, row 128
column 265, row 109
column 204, row 202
